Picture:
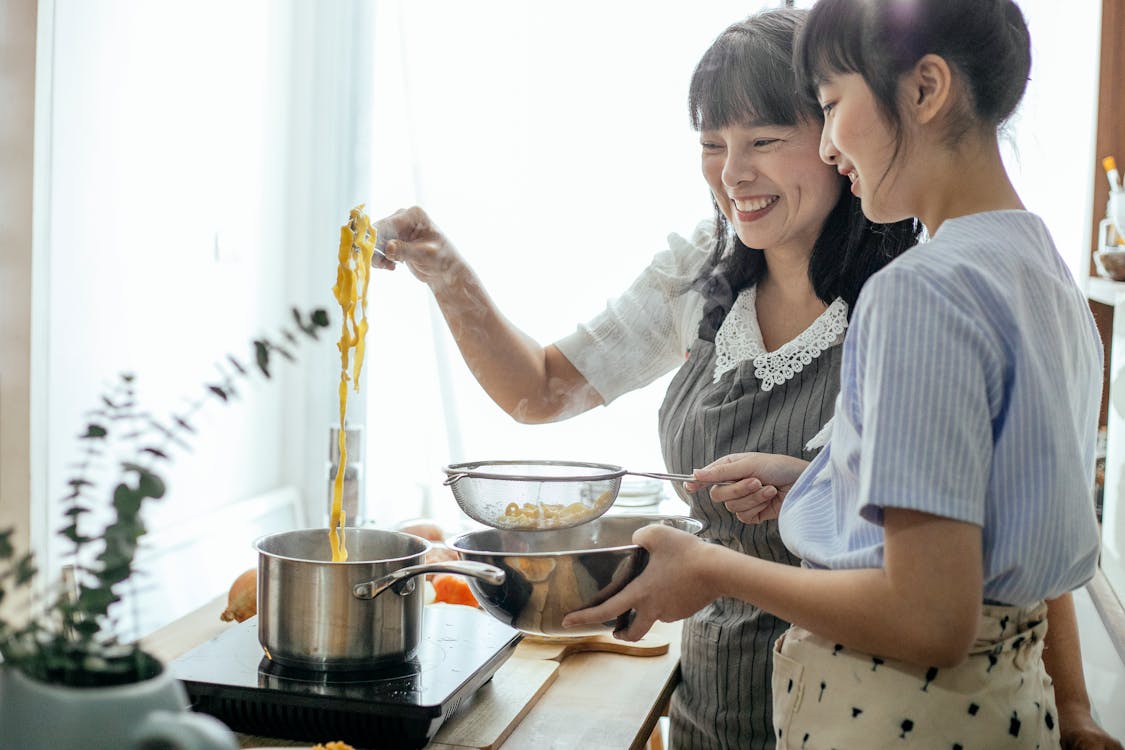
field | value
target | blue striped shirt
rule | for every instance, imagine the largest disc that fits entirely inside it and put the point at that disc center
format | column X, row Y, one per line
column 970, row 389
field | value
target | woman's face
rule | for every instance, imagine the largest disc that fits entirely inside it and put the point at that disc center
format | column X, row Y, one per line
column 770, row 183
column 860, row 144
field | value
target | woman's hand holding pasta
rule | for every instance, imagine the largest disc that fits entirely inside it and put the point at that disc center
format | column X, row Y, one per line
column 760, row 483
column 415, row 240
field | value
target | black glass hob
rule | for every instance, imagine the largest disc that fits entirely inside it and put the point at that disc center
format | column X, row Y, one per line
column 399, row 706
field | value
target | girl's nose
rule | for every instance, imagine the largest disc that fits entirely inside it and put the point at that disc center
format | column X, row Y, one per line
column 828, row 152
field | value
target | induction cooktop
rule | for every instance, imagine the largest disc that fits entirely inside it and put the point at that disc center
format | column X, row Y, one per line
column 399, row 706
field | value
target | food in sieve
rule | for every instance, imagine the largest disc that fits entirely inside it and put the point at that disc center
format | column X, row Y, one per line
column 539, row 495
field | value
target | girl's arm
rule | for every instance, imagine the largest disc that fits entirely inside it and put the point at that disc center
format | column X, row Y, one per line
column 1062, row 655
column 922, row 607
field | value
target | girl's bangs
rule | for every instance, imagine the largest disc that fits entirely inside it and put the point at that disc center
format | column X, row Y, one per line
column 831, row 42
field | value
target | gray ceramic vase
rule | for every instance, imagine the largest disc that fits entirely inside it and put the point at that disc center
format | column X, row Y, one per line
column 149, row 713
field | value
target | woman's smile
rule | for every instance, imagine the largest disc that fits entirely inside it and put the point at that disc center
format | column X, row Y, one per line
column 753, row 208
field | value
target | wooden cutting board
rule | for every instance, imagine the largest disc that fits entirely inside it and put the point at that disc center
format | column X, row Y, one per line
column 486, row 719
column 557, row 649
column 498, row 707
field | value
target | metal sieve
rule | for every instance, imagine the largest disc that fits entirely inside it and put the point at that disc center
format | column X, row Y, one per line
column 539, row 495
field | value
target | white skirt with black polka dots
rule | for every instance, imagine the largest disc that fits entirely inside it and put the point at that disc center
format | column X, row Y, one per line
column 827, row 697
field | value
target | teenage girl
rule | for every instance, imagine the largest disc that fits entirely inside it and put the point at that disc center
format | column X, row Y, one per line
column 952, row 500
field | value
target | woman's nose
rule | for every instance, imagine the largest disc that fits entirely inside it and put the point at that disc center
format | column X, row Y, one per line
column 828, row 152
column 738, row 168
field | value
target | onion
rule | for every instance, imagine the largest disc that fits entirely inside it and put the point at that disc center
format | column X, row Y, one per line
column 242, row 601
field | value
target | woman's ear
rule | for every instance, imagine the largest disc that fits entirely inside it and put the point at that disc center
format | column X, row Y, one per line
column 929, row 88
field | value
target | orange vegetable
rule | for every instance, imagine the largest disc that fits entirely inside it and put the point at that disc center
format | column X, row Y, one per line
column 453, row 590
column 242, row 601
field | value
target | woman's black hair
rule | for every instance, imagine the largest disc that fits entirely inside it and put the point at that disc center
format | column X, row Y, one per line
column 985, row 42
column 747, row 75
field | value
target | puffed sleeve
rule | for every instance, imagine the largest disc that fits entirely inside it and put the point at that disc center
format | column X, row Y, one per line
column 646, row 331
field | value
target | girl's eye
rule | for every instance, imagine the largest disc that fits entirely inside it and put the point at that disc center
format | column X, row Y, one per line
column 763, row 142
column 827, row 107
column 709, row 146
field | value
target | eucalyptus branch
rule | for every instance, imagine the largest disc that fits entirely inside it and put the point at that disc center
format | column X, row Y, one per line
column 74, row 640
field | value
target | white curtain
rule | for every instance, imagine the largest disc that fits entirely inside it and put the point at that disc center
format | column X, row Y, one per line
column 552, row 143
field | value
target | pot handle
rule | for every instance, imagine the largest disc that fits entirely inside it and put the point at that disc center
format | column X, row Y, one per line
column 453, row 479
column 481, row 571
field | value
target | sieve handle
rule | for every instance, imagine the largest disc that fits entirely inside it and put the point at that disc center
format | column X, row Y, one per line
column 673, row 477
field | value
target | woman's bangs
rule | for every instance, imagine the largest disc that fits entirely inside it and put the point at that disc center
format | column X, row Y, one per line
column 717, row 96
column 737, row 89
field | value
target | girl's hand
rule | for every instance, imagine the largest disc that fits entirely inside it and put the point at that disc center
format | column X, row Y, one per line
column 671, row 587
column 414, row 239
column 1079, row 731
column 761, row 482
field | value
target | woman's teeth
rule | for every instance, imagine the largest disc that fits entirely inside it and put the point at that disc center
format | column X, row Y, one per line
column 755, row 204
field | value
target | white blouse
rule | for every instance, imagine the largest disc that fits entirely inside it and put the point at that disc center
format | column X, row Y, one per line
column 648, row 330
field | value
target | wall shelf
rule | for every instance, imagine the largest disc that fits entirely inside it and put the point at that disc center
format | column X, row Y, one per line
column 1106, row 291
column 1109, row 591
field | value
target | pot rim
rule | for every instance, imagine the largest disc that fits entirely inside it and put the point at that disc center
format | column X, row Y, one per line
column 427, row 547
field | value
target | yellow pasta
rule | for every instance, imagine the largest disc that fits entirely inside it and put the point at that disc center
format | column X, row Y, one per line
column 357, row 245
column 551, row 515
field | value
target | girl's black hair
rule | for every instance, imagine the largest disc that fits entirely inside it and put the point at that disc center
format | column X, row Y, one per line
column 985, row 42
column 747, row 75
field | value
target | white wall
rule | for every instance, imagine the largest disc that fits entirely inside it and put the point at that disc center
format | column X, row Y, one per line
column 1050, row 154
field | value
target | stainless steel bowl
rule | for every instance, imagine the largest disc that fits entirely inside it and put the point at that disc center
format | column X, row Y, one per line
column 551, row 573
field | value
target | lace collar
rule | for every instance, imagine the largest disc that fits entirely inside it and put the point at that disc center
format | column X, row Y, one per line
column 739, row 339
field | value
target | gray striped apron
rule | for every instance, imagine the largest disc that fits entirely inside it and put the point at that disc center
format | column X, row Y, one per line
column 723, row 700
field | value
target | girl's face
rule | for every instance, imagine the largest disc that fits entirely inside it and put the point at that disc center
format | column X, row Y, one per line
column 770, row 183
column 858, row 141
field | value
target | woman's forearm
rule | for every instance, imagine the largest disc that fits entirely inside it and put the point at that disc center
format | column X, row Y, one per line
column 530, row 382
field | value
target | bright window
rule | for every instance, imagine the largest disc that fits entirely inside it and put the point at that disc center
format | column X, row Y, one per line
column 552, row 144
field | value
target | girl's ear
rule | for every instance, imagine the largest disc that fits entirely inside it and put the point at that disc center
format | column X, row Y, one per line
column 929, row 88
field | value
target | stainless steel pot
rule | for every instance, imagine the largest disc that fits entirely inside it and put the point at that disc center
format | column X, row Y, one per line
column 551, row 573
column 342, row 616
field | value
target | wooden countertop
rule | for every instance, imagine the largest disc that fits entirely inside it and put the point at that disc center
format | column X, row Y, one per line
column 594, row 699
